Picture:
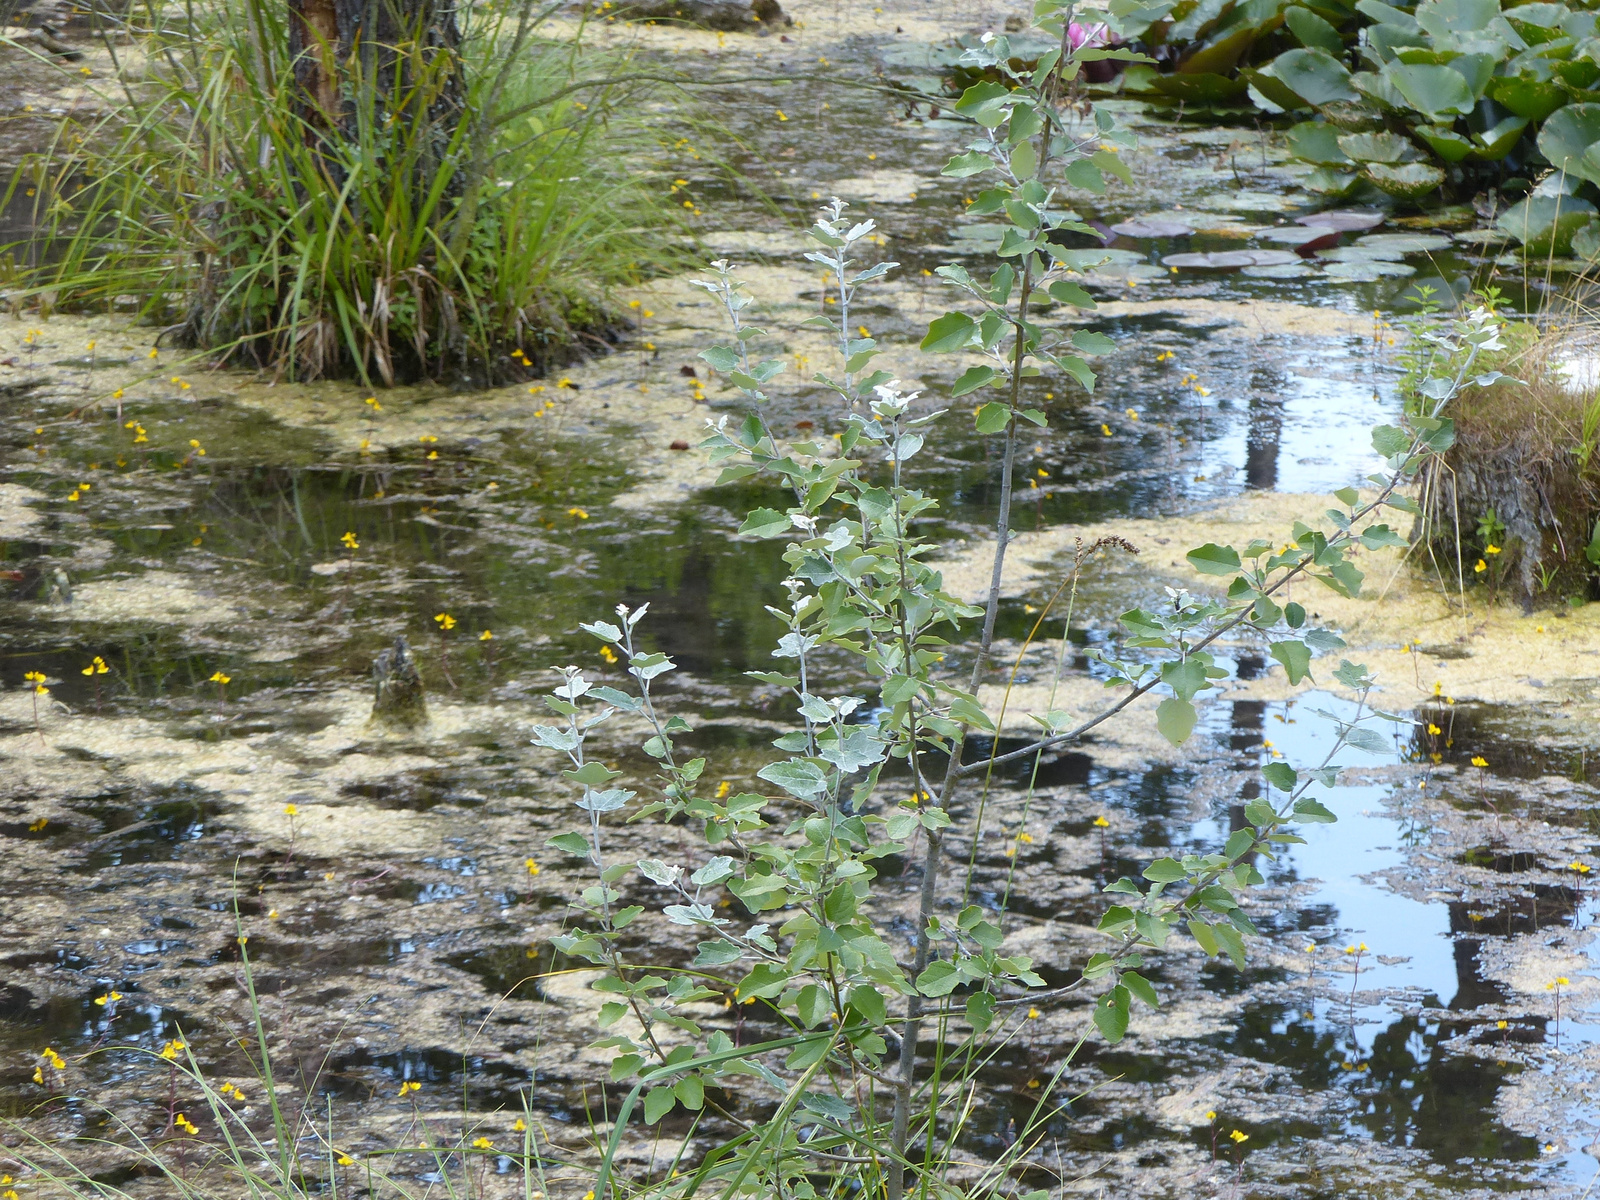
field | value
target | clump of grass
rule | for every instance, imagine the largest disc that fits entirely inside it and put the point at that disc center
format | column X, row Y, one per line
column 462, row 213
column 1511, row 505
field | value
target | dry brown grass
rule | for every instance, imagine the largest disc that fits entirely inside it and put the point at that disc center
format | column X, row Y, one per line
column 1525, row 450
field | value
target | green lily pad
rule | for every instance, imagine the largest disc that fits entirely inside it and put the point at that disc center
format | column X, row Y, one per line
column 1408, row 181
column 1495, row 143
column 1586, row 242
column 1200, row 88
column 1331, row 182
column 1568, row 138
column 1546, row 224
column 1377, row 147
column 1312, row 31
column 1431, row 88
column 1298, row 235
column 1446, row 143
column 1279, row 271
column 1534, row 99
column 1368, row 272
column 1360, row 254
column 1404, row 243
column 1313, row 75
column 1316, row 142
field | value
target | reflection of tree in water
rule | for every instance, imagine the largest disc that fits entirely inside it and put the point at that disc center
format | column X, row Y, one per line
column 1434, row 1102
column 1405, row 1091
column 1261, row 442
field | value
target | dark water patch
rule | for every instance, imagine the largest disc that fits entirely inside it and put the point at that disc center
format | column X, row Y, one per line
column 145, row 832
column 473, row 1082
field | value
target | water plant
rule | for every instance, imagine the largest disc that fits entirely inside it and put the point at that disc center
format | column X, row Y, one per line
column 877, row 1040
column 430, row 207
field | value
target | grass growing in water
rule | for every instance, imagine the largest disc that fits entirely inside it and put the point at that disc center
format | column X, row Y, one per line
column 463, row 213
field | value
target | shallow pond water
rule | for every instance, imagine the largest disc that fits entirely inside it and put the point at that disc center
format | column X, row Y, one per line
column 145, row 826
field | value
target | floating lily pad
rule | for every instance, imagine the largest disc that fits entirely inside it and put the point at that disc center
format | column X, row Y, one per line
column 1368, row 272
column 1279, row 271
column 1231, row 260
column 1125, row 273
column 1377, row 147
column 1405, row 243
column 1359, row 254
column 1482, row 237
column 1345, row 219
column 1298, row 235
column 1147, row 227
column 1409, row 181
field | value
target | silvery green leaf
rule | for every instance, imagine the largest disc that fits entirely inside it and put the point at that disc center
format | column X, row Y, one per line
column 573, row 688
column 612, row 696
column 636, row 616
column 714, row 872
column 1437, row 387
column 648, row 666
column 1369, row 740
column 907, row 445
column 797, row 777
column 857, row 748
column 860, row 231
column 692, row 914
column 555, row 737
column 603, row 630
column 1323, row 640
column 659, row 872
column 608, row 800
column 816, row 708
column 793, row 645
column 828, row 1106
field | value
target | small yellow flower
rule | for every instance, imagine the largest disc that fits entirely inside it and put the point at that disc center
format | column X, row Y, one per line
column 521, row 1126
column 291, row 810
column 1559, row 981
column 1480, row 566
column 1105, row 429
column 409, row 1086
column 1239, row 1137
column 1033, row 1013
column 344, row 1160
column 349, row 539
column 723, row 789
column 781, row 117
column 171, row 1049
column 607, row 654
column 1479, row 761
column 110, row 997
column 533, row 867
column 117, row 395
column 1131, row 414
column 1491, row 549
column 1101, row 823
column 1434, row 729
column 579, row 513
column 445, row 621
column 482, row 1143
column 1500, row 1024
column 219, row 677
column 1211, row 1116
column 1580, row 867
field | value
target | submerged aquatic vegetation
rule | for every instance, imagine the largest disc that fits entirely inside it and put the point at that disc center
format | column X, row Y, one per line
column 451, row 209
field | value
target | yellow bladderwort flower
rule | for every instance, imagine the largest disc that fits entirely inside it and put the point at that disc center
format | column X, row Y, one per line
column 1480, row 566
column 520, row 1127
column 1559, row 981
column 780, row 115
column 171, row 1050
column 188, row 1126
column 291, row 810
column 1491, row 549
column 110, row 997
column 482, row 1143
column 1479, row 761
column 579, row 513
column 1239, row 1137
column 350, row 541
column 219, row 677
column 1101, row 823
column 197, row 448
column 344, row 1160
column 1434, row 729
column 372, row 403
column 1105, row 429
column 37, row 679
column 1132, row 415
column 607, row 654
column 486, row 636
column 445, row 621
column 1580, row 867
column 410, row 1086
column 723, row 789
column 1033, row 1014
column 97, row 667
column 533, row 867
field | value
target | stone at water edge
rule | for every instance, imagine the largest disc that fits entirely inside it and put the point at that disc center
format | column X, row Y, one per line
column 397, row 697
column 729, row 15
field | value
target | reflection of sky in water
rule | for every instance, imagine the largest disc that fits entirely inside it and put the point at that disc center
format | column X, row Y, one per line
column 1342, row 862
column 1314, row 435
